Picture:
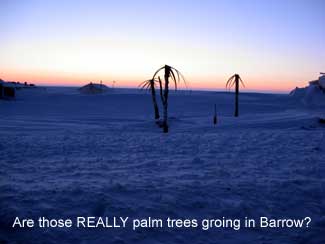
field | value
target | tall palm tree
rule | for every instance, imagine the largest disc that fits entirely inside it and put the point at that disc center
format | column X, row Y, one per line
column 176, row 77
column 234, row 80
column 150, row 85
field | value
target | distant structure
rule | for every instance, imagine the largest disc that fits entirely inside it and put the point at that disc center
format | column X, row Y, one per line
column 93, row 88
column 7, row 90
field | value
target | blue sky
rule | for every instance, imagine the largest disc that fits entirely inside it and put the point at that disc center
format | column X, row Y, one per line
column 273, row 44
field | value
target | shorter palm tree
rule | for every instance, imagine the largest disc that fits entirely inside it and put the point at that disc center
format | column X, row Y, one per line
column 150, row 85
column 234, row 80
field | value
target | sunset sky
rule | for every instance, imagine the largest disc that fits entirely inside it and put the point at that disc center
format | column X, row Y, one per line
column 273, row 44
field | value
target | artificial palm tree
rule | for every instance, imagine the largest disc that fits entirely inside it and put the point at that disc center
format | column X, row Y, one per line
column 176, row 77
column 150, row 85
column 234, row 80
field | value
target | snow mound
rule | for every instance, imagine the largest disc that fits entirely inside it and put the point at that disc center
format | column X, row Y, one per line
column 109, row 159
column 311, row 95
column 321, row 81
column 93, row 88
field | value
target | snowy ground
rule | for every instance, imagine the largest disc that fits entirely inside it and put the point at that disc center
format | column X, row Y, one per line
column 63, row 154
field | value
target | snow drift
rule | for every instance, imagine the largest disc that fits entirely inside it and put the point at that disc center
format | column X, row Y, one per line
column 109, row 158
column 93, row 88
column 313, row 94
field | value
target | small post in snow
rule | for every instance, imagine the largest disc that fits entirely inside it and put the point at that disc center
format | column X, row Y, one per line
column 215, row 121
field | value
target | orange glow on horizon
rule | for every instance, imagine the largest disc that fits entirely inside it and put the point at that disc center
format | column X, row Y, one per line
column 48, row 44
column 195, row 83
column 74, row 63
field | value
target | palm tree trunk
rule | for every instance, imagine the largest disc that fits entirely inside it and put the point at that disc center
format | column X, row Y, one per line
column 237, row 97
column 154, row 100
column 165, row 105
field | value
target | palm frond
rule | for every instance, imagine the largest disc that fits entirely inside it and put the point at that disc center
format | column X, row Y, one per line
column 145, row 85
column 174, row 78
column 183, row 78
column 142, row 83
column 229, row 83
column 174, row 74
column 180, row 77
column 161, row 89
column 178, row 74
column 155, row 74
column 232, row 84
column 241, row 81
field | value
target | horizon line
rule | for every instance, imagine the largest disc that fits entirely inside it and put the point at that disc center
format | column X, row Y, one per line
column 182, row 89
column 117, row 84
